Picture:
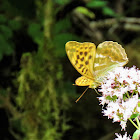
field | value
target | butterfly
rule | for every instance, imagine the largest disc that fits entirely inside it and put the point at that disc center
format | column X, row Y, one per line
column 94, row 64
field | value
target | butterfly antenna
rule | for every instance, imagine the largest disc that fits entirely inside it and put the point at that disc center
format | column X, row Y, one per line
column 97, row 92
column 81, row 95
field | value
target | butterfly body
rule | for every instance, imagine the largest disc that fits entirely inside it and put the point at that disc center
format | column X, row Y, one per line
column 94, row 64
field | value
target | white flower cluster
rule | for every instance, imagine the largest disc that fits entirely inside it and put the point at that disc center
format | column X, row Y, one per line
column 124, row 137
column 120, row 92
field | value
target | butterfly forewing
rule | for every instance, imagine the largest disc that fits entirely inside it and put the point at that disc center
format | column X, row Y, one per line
column 82, row 57
column 109, row 55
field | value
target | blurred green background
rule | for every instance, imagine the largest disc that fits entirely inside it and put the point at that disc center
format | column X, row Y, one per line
column 37, row 98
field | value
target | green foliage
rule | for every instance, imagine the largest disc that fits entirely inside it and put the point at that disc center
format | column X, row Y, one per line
column 85, row 11
column 24, row 8
column 14, row 24
column 96, row 4
column 113, row 98
column 34, row 30
column 59, row 25
column 61, row 36
column 7, row 27
column 62, row 2
column 138, row 104
column 5, row 47
column 134, row 116
column 136, row 135
column 3, row 19
column 60, row 41
column 40, row 88
column 39, row 98
column 43, row 89
column 108, row 11
column 100, row 4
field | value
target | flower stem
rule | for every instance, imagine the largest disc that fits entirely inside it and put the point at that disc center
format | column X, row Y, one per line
column 138, row 123
column 133, row 123
column 127, row 95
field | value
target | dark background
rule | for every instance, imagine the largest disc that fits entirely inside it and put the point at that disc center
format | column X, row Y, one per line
column 37, row 98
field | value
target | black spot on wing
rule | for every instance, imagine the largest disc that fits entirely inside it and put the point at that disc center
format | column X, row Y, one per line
column 90, row 57
column 85, row 53
column 87, row 62
column 82, row 59
column 78, row 57
column 83, row 69
column 81, row 65
column 76, row 62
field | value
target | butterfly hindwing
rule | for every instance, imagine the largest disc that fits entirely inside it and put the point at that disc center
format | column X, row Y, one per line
column 109, row 55
column 82, row 57
column 83, row 81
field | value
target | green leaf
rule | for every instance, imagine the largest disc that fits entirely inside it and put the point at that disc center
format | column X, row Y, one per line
column 113, row 98
column 138, row 104
column 134, row 115
column 3, row 19
column 14, row 25
column 96, row 4
column 136, row 135
column 5, row 47
column 62, row 2
column 6, row 31
column 60, row 41
column 108, row 11
column 85, row 11
column 34, row 30
column 62, row 25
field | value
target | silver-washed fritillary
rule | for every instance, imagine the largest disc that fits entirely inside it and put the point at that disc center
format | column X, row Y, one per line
column 93, row 64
